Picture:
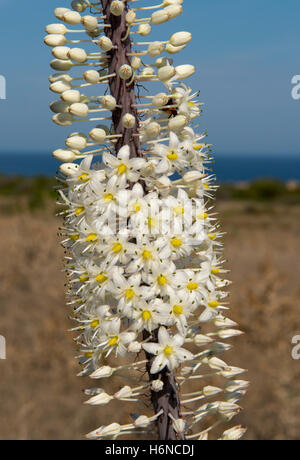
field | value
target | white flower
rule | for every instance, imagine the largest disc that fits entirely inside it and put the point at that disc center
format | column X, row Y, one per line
column 116, row 341
column 149, row 316
column 168, row 351
column 127, row 291
column 171, row 157
column 124, row 167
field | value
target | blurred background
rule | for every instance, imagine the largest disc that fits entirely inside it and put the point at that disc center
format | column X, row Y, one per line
column 246, row 53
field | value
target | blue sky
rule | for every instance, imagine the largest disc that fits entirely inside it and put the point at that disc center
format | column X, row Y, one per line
column 246, row 53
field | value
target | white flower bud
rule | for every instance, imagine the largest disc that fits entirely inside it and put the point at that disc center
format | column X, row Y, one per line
column 228, row 409
column 77, row 142
column 222, row 322
column 161, row 62
column 79, row 5
column 60, row 86
column 89, row 22
column 236, row 385
column 55, row 40
column 102, row 372
column 125, row 392
column 61, row 52
column 233, row 434
column 144, row 30
column 71, row 96
column 136, row 62
column 98, row 135
column 130, row 17
column 117, row 8
column 69, row 169
column 111, row 430
column 180, row 38
column 79, row 110
column 185, row 71
column 100, row 400
column 231, row 372
column 211, row 391
column 147, row 71
column 109, row 102
column 71, row 17
column 166, row 73
column 216, row 363
column 125, row 72
column 228, row 333
column 155, row 49
column 174, row 49
column 179, row 425
column 159, row 17
column 201, row 339
column 58, row 64
column 63, row 155
column 91, row 76
column 142, row 421
column 128, row 121
column 153, row 129
column 78, row 55
column 59, row 12
column 59, row 77
column 160, row 100
column 173, row 11
column 105, row 44
column 134, row 347
column 178, row 123
column 59, row 107
column 56, row 29
column 172, row 2
column 63, row 119
column 157, row 385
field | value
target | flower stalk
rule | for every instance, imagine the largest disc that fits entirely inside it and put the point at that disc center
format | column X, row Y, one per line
column 144, row 257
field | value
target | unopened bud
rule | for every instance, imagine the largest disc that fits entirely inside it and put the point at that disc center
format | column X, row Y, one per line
column 63, row 119
column 128, row 121
column 109, row 102
column 91, row 76
column 125, row 72
column 77, row 142
column 78, row 55
column 89, row 22
column 155, row 49
column 117, row 8
column 166, row 73
column 178, row 123
column 55, row 40
column 98, row 135
column 72, row 17
column 56, row 29
column 180, row 38
column 157, row 386
column 185, row 71
column 103, row 372
column 71, row 96
column 79, row 110
column 66, row 156
column 59, row 12
column 105, row 44
column 59, row 65
column 144, row 30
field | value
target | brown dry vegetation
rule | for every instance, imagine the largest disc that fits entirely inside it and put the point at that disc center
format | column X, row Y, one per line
column 41, row 397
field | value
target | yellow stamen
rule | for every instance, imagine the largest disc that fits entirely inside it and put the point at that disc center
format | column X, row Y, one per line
column 88, row 355
column 146, row 315
column 179, row 210
column 202, row 216
column 172, row 156
column 113, row 341
column 74, row 237
column 212, row 236
column 192, row 286
column 215, row 271
column 129, row 294
column 92, row 238
column 197, row 146
column 213, row 304
column 137, row 207
column 84, row 277
column 101, row 278
column 168, row 351
column 84, row 177
column 79, row 211
column 122, row 169
column 206, row 186
column 162, row 280
column 95, row 323
column 117, row 248
column 109, row 197
column 177, row 309
column 176, row 242
column 147, row 255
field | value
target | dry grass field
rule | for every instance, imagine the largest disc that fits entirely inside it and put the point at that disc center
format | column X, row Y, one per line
column 41, row 397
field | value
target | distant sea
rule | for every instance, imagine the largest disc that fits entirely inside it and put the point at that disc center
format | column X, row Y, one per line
column 227, row 168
